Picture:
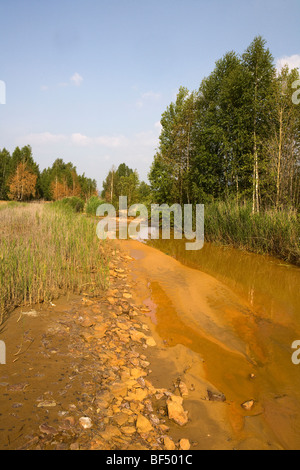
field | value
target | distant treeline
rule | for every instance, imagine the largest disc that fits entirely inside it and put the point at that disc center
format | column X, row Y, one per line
column 237, row 137
column 21, row 179
column 124, row 181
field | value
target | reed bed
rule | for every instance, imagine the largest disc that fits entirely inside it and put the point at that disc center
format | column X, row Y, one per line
column 270, row 232
column 45, row 251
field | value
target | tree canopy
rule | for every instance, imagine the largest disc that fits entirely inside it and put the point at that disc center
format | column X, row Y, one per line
column 237, row 136
column 21, row 179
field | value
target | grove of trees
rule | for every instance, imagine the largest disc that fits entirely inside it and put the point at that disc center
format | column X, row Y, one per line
column 124, row 181
column 21, row 179
column 237, row 137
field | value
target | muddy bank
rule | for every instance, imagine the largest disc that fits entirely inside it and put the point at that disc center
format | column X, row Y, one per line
column 78, row 376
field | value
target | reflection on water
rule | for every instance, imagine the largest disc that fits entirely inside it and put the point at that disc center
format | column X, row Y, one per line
column 269, row 285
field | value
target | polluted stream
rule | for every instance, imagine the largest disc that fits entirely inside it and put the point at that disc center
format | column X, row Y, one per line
column 223, row 322
column 238, row 313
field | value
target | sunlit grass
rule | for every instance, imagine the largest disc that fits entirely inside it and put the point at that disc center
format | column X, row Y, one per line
column 270, row 232
column 45, row 251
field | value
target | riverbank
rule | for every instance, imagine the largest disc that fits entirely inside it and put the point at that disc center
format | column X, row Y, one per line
column 168, row 357
column 271, row 232
column 78, row 376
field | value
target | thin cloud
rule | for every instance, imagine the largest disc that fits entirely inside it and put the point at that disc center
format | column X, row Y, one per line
column 158, row 125
column 103, row 141
column 292, row 61
column 151, row 95
column 76, row 79
column 79, row 139
column 142, row 139
column 148, row 96
column 45, row 138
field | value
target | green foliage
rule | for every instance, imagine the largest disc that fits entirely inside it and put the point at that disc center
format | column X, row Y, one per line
column 121, row 182
column 65, row 174
column 4, row 173
column 92, row 205
column 238, row 136
column 144, row 193
column 74, row 203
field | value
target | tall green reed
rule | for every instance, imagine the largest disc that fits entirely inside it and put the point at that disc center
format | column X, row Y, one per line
column 45, row 251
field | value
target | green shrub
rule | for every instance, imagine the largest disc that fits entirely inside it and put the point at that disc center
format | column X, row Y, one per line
column 74, row 203
column 92, row 205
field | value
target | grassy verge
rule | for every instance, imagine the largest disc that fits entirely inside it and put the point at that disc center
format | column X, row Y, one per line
column 270, row 232
column 45, row 251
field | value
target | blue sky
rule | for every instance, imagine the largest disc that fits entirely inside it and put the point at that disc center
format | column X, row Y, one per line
column 88, row 80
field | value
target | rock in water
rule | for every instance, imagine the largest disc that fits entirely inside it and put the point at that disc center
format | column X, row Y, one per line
column 87, row 322
column 151, row 342
column 49, row 430
column 212, row 396
column 248, row 405
column 184, row 444
column 47, row 404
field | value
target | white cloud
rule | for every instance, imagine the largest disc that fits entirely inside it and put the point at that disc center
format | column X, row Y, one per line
column 76, row 79
column 158, row 125
column 292, row 61
column 148, row 96
column 45, row 138
column 151, row 95
column 112, row 142
column 94, row 155
column 140, row 140
column 145, row 139
column 79, row 139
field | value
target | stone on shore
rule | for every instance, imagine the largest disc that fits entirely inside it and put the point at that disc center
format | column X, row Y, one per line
column 176, row 411
column 169, row 444
column 183, row 389
column 151, row 342
column 86, row 423
column 143, row 425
